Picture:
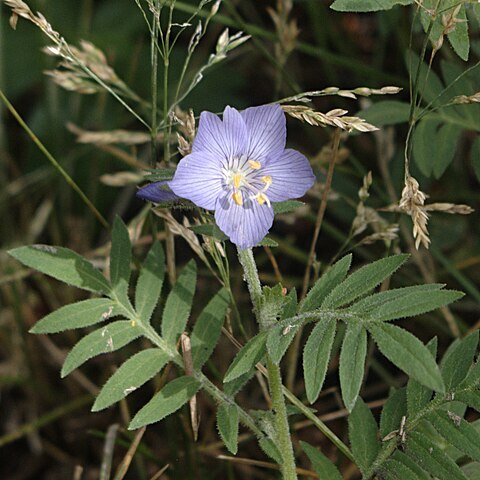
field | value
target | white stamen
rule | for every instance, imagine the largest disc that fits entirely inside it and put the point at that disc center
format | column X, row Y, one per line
column 243, row 176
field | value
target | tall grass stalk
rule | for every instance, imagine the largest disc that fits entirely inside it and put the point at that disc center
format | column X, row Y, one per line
column 54, row 162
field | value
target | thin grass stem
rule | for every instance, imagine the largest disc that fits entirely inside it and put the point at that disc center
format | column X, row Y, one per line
column 54, row 162
column 282, row 429
column 46, row 419
column 294, row 350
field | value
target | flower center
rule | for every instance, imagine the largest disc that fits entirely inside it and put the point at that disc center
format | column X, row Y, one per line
column 244, row 178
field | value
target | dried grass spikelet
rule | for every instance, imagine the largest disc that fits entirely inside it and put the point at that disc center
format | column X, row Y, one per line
column 367, row 217
column 412, row 202
column 389, row 234
column 121, row 179
column 352, row 93
column 183, row 231
column 81, row 69
column 449, row 24
column 71, row 73
column 333, row 118
column 21, row 9
column 108, row 137
column 466, row 99
column 450, row 19
column 287, row 31
column 186, row 126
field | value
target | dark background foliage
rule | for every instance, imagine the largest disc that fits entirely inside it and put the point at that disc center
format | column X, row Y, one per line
column 51, row 417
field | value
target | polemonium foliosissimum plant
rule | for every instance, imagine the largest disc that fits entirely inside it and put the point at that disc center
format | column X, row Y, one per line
column 234, row 175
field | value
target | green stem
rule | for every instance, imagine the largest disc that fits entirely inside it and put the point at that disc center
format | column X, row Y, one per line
column 384, row 455
column 166, row 64
column 411, row 424
column 282, row 429
column 55, row 164
column 318, row 423
column 253, row 282
column 412, row 121
column 208, row 386
column 154, row 60
column 46, row 419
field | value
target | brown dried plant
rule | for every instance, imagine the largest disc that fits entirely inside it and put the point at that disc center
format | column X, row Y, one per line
column 186, row 126
column 287, row 30
column 412, row 202
column 367, row 217
column 83, row 70
column 333, row 118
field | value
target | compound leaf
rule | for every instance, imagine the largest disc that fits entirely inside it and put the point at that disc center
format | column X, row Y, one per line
column 458, row 359
column 457, row 432
column 281, row 335
column 325, row 284
column 363, row 280
column 393, row 411
column 417, row 394
column 320, row 463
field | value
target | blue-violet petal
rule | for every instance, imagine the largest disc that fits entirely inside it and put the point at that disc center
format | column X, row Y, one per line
column 246, row 225
column 199, row 178
column 267, row 131
column 291, row 175
column 157, row 192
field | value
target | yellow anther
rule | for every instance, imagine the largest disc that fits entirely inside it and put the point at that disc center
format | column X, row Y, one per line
column 254, row 165
column 237, row 197
column 261, row 198
column 237, row 180
column 267, row 180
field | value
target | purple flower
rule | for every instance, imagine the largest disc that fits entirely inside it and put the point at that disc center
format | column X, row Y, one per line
column 237, row 167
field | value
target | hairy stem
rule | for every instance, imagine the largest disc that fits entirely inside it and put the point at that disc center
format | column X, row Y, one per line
column 207, row 385
column 282, row 429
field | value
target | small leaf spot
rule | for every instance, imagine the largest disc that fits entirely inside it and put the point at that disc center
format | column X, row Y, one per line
column 46, row 248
